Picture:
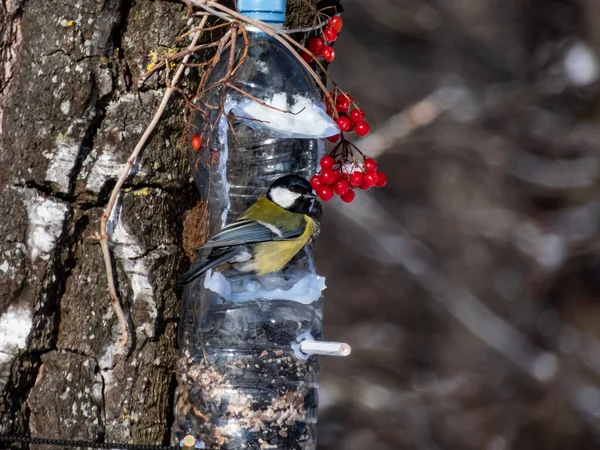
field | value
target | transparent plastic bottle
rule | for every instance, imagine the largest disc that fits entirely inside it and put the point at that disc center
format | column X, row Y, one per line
column 244, row 382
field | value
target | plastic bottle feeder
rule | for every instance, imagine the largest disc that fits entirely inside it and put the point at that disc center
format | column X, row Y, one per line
column 249, row 373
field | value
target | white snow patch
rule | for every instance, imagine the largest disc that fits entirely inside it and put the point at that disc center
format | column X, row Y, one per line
column 46, row 219
column 302, row 118
column 62, row 163
column 15, row 325
column 136, row 268
column 306, row 290
column 581, row 65
column 311, row 117
column 351, row 167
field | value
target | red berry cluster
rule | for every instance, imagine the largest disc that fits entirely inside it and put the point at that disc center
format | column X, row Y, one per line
column 319, row 46
column 348, row 119
column 342, row 178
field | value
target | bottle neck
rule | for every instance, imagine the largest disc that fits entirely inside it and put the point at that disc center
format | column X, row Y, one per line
column 268, row 11
column 258, row 31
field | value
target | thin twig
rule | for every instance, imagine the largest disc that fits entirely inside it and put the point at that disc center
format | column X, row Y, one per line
column 177, row 55
column 214, row 27
column 235, row 136
column 233, row 31
column 275, row 33
column 244, row 53
column 104, row 237
column 203, row 88
column 261, row 102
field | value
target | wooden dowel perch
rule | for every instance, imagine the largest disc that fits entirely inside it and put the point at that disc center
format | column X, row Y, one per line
column 325, row 348
column 189, row 442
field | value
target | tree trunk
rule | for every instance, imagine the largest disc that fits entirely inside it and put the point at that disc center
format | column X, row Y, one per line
column 69, row 118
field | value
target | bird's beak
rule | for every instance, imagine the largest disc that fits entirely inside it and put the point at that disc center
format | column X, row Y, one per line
column 311, row 195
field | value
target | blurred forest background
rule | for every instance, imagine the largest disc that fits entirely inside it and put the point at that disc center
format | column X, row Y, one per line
column 469, row 288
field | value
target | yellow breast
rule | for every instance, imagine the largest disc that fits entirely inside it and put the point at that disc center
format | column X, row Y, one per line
column 273, row 256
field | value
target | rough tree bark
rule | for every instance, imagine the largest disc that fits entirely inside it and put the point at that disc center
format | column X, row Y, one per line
column 69, row 119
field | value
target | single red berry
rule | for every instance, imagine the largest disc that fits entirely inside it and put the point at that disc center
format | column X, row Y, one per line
column 327, row 162
column 336, row 23
column 348, row 196
column 356, row 179
column 328, row 54
column 362, row 128
column 333, row 138
column 328, row 176
column 316, row 45
column 325, row 192
column 306, row 57
column 357, row 115
column 370, row 165
column 364, row 186
column 381, row 179
column 338, row 174
column 330, row 35
column 316, row 182
column 370, row 179
column 344, row 123
column 342, row 103
column 196, row 142
column 341, row 187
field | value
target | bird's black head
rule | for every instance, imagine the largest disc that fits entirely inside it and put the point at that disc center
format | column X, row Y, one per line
column 293, row 193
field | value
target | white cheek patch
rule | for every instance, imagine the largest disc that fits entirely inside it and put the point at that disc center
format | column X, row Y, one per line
column 283, row 197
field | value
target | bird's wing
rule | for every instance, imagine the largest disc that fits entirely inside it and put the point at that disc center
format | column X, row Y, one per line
column 251, row 231
column 198, row 268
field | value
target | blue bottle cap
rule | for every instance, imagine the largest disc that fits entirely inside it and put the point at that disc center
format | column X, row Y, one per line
column 270, row 11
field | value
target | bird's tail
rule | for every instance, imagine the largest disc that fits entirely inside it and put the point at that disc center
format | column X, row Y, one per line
column 198, row 269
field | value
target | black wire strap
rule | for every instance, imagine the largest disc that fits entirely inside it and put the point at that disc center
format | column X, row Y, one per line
column 67, row 443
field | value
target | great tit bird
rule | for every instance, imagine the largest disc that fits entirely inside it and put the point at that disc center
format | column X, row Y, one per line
column 269, row 233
